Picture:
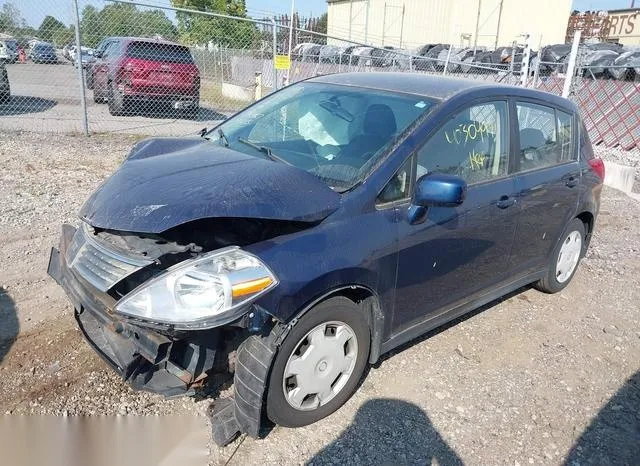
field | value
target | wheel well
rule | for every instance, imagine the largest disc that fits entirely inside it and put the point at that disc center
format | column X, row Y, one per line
column 369, row 302
column 587, row 219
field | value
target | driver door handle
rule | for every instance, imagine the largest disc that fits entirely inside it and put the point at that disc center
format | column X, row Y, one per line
column 506, row 201
column 571, row 181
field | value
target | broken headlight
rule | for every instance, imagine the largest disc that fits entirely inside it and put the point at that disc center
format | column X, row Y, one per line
column 204, row 292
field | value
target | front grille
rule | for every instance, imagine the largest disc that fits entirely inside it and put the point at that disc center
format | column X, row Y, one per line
column 97, row 263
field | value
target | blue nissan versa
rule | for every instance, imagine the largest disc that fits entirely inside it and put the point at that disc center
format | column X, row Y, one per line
column 320, row 228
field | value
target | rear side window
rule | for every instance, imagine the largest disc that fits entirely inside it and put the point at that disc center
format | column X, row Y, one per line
column 546, row 136
column 565, row 136
column 473, row 144
column 159, row 52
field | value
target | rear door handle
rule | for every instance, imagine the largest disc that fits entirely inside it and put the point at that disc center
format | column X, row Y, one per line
column 505, row 201
column 571, row 181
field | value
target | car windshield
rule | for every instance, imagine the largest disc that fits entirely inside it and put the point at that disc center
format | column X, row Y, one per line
column 43, row 48
column 159, row 52
column 334, row 132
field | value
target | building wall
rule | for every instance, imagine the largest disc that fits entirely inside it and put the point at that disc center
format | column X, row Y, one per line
column 451, row 21
column 623, row 26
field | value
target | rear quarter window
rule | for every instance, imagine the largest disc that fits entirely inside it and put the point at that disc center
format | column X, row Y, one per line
column 159, row 52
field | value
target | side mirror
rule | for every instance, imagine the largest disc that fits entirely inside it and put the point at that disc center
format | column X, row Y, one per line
column 436, row 190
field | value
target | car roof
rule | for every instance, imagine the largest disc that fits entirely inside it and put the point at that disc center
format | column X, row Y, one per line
column 433, row 87
column 150, row 40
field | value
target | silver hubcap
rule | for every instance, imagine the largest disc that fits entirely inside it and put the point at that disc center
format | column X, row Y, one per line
column 569, row 256
column 320, row 365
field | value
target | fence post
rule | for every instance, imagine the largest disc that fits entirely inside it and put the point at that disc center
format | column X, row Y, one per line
column 524, row 68
column 572, row 65
column 83, row 99
column 275, row 52
column 446, row 63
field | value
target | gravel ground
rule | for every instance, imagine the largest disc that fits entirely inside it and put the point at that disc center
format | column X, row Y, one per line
column 532, row 379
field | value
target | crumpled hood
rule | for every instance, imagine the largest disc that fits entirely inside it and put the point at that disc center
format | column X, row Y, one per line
column 167, row 182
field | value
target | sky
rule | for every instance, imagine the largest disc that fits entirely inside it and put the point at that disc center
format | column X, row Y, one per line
column 34, row 11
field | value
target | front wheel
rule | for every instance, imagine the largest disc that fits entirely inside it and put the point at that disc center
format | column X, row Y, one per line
column 565, row 258
column 319, row 364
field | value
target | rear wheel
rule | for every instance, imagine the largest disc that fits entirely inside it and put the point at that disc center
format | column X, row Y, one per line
column 565, row 258
column 116, row 102
column 319, row 364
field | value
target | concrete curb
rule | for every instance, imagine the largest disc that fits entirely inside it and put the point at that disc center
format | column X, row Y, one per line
column 619, row 176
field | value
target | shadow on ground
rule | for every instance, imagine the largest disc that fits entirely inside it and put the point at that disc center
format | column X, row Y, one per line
column 22, row 104
column 8, row 323
column 389, row 432
column 152, row 110
column 613, row 437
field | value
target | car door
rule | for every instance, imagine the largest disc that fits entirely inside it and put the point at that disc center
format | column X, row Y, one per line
column 548, row 180
column 459, row 251
column 101, row 67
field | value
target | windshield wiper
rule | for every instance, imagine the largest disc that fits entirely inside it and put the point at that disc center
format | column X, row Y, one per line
column 223, row 137
column 265, row 150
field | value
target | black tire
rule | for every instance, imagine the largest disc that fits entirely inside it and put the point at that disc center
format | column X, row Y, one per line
column 334, row 309
column 550, row 284
column 89, row 79
column 191, row 113
column 116, row 102
column 97, row 97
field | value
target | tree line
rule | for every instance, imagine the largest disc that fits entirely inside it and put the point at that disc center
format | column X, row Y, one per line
column 120, row 19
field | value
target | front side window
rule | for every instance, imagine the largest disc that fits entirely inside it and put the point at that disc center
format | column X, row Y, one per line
column 545, row 138
column 334, row 132
column 472, row 144
column 399, row 186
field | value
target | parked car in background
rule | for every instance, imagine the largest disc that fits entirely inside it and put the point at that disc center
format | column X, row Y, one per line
column 8, row 51
column 330, row 54
column 383, row 206
column 43, row 52
column 361, row 56
column 346, row 55
column 87, row 58
column 5, row 87
column 297, row 52
column 427, row 59
column 99, row 51
column 133, row 71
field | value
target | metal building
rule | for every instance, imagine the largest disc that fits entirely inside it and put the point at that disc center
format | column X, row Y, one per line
column 411, row 23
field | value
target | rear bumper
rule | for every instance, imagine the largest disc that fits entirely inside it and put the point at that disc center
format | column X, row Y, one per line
column 148, row 360
column 186, row 97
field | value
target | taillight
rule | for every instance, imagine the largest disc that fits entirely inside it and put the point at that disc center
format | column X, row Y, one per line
column 133, row 67
column 597, row 165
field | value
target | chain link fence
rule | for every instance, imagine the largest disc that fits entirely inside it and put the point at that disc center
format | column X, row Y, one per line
column 148, row 68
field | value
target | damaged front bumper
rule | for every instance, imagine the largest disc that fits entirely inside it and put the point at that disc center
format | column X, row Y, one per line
column 174, row 363
column 169, row 364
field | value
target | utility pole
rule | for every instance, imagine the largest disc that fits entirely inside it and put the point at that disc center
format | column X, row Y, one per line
column 366, row 23
column 475, row 39
column 350, row 16
column 495, row 45
column 402, row 26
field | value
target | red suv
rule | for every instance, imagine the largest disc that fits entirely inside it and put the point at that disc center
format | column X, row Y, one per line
column 132, row 71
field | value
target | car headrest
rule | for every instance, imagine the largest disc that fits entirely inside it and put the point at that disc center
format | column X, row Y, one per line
column 379, row 120
column 531, row 138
